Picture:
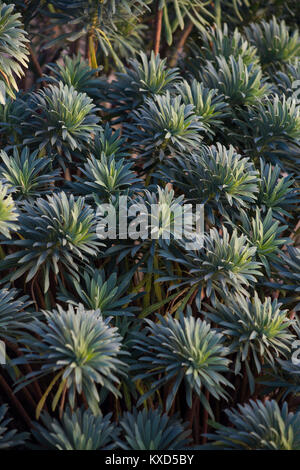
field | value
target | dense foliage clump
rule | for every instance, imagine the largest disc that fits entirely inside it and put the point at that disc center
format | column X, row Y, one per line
column 123, row 331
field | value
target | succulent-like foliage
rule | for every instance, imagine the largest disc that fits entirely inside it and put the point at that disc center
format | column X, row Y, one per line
column 80, row 348
column 259, row 426
column 288, row 273
column 145, row 79
column 108, row 142
column 274, row 123
column 58, row 231
column 187, row 350
column 78, row 429
column 288, row 81
column 216, row 176
column 274, row 42
column 216, row 42
column 8, row 212
column 287, row 376
column 151, row 430
column 13, row 50
column 264, row 234
column 75, row 72
column 154, row 221
column 162, row 225
column 13, row 313
column 240, row 84
column 105, row 177
column 12, row 115
column 149, row 193
column 209, row 105
column 62, row 119
column 228, row 178
column 27, row 174
column 99, row 292
column 226, row 263
column 9, row 437
column 164, row 126
column 258, row 331
column 159, row 220
column 276, row 192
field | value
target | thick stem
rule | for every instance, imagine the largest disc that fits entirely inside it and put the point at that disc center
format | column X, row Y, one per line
column 197, row 421
column 244, row 387
column 14, row 400
column 27, row 368
column 205, row 419
column 91, row 43
column 35, row 63
column 36, row 288
column 68, row 175
column 92, row 51
column 74, row 47
column 157, row 286
column 158, row 25
column 179, row 49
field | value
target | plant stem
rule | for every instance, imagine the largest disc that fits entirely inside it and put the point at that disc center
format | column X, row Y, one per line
column 32, row 293
column 27, row 367
column 62, row 403
column 39, row 294
column 35, row 62
column 179, row 49
column 157, row 286
column 15, row 400
column 92, row 52
column 205, row 419
column 244, row 387
column 158, row 25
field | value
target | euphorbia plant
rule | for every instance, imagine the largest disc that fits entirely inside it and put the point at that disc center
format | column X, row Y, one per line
column 149, row 224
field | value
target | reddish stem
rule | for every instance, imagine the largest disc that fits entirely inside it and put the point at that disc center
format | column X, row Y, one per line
column 35, row 63
column 27, row 368
column 14, row 400
column 158, row 25
column 179, row 49
column 205, row 419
